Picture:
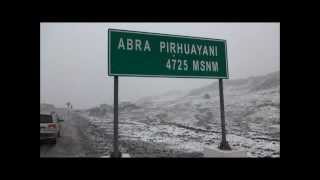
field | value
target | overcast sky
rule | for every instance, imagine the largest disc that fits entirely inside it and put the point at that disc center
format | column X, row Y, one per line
column 73, row 58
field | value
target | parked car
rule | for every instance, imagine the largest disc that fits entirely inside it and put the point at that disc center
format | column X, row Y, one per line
column 50, row 127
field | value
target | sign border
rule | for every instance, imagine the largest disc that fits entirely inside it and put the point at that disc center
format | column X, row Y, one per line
column 164, row 76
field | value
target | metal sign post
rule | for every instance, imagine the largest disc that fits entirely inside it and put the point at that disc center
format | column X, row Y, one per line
column 116, row 153
column 224, row 143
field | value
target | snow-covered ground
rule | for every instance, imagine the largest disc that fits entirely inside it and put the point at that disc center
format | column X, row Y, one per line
column 188, row 122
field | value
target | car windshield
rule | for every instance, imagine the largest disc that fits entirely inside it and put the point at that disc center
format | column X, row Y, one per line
column 45, row 119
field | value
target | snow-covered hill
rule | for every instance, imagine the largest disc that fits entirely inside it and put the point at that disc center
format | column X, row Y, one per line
column 188, row 121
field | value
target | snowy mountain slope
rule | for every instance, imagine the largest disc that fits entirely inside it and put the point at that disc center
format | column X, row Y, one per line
column 256, row 83
column 196, row 109
column 188, row 121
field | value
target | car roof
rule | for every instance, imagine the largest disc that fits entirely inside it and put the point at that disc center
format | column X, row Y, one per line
column 46, row 113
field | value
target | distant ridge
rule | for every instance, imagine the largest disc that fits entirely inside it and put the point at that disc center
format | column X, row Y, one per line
column 254, row 83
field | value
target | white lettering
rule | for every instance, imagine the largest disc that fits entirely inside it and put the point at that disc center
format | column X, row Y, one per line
column 129, row 44
column 211, row 50
column 193, row 49
column 195, row 65
column 138, row 44
column 215, row 66
column 179, row 65
column 199, row 49
column 147, row 46
column 203, row 67
column 162, row 45
column 179, row 48
column 168, row 64
column 172, row 47
column 216, row 50
column 208, row 65
column 174, row 64
column 205, row 50
column 186, row 51
column 185, row 65
column 121, row 44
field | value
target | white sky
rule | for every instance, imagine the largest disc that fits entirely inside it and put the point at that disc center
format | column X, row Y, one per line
column 73, row 59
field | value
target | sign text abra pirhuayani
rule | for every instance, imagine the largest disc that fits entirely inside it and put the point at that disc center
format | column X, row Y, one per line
column 134, row 53
column 176, row 48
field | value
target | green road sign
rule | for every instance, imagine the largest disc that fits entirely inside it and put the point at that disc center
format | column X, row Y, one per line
column 132, row 53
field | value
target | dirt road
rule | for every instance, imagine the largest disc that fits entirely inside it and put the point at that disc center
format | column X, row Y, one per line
column 73, row 141
column 80, row 139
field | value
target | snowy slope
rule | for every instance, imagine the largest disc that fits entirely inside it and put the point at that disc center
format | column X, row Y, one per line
column 188, row 121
